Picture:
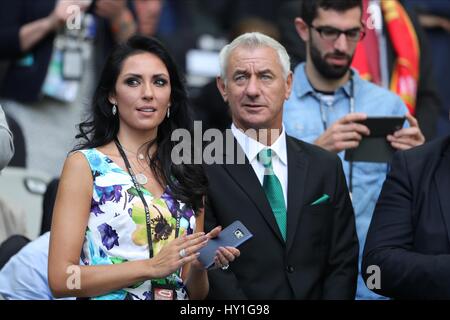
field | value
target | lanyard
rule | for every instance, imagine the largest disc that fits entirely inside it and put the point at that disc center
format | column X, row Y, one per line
column 352, row 109
column 351, row 103
column 144, row 202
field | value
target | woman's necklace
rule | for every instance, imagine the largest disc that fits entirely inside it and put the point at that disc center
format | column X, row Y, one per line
column 141, row 178
column 139, row 155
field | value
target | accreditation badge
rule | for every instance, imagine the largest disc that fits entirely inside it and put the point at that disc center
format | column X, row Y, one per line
column 163, row 292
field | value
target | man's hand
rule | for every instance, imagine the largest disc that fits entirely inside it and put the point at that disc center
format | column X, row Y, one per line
column 123, row 24
column 407, row 138
column 110, row 9
column 224, row 255
column 344, row 133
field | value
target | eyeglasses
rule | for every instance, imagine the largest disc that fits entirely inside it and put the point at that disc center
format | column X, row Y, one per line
column 332, row 34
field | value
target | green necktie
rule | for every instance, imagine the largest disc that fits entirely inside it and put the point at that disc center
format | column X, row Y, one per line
column 274, row 191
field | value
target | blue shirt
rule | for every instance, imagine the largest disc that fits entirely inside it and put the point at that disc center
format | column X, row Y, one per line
column 24, row 277
column 304, row 120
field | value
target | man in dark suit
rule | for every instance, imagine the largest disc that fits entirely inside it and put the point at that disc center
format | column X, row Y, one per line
column 409, row 236
column 291, row 195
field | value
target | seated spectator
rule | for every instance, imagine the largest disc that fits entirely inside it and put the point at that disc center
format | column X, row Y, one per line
column 28, row 281
column 408, row 239
column 24, row 277
column 10, row 247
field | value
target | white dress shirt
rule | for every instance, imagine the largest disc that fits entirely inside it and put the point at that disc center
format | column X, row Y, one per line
column 251, row 149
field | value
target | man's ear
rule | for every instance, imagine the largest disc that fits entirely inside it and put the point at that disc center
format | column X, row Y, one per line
column 222, row 88
column 302, row 29
column 289, row 81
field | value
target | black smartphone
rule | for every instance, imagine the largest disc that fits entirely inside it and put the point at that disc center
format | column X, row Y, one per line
column 375, row 148
column 382, row 126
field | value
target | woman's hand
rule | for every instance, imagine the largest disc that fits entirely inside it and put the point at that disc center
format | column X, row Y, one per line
column 176, row 254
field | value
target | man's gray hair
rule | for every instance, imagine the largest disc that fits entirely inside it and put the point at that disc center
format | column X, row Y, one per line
column 253, row 40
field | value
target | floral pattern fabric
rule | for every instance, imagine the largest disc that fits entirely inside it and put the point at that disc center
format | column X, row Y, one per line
column 117, row 231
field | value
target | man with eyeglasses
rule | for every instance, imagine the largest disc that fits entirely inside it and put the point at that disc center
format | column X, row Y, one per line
column 329, row 99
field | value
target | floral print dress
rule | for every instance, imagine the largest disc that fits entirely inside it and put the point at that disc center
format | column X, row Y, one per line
column 116, row 230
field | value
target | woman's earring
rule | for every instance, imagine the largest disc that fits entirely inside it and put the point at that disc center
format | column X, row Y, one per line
column 168, row 112
column 114, row 110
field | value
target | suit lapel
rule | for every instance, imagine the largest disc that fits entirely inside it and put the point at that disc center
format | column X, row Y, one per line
column 245, row 177
column 442, row 181
column 297, row 173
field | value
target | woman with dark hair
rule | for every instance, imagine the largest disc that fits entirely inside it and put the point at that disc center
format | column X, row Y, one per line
column 135, row 216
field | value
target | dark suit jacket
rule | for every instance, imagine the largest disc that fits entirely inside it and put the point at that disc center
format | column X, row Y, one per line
column 318, row 260
column 409, row 237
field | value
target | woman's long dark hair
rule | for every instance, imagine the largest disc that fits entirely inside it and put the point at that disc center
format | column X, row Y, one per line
column 190, row 183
